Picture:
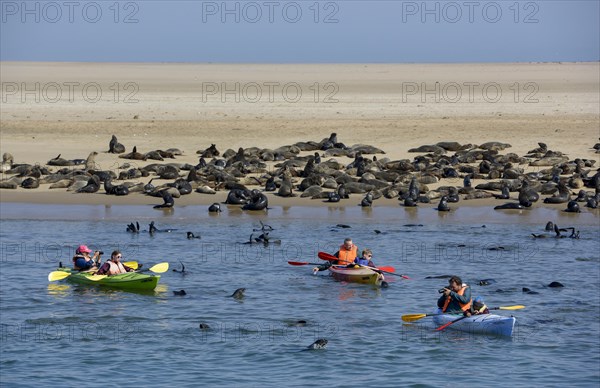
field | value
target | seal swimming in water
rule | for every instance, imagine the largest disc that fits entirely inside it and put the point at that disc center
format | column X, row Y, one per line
column 182, row 270
column 203, row 326
column 528, row 291
column 191, row 235
column 555, row 285
column 133, row 228
column 321, row 343
column 179, row 293
column 486, row 282
column 238, row 294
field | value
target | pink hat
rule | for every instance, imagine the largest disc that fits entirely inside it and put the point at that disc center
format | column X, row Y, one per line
column 83, row 249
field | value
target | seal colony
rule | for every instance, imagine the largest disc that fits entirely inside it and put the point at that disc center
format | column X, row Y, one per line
column 330, row 171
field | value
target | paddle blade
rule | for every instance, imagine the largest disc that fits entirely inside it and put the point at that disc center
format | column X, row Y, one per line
column 326, row 256
column 57, row 275
column 413, row 317
column 517, row 307
column 160, row 268
column 444, row 326
column 387, row 269
column 95, row 278
column 298, row 263
column 132, row 264
column 449, row 323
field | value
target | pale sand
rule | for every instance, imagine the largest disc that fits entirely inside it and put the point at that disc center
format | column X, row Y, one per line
column 371, row 108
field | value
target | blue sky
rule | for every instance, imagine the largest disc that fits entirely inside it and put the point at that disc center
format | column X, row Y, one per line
column 310, row 31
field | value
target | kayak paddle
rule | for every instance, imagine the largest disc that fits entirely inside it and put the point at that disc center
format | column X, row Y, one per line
column 416, row 317
column 449, row 323
column 59, row 275
column 157, row 268
column 302, row 263
column 390, row 270
column 132, row 264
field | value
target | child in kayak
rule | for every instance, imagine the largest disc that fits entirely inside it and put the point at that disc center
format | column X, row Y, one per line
column 114, row 265
column 82, row 260
column 365, row 259
column 478, row 307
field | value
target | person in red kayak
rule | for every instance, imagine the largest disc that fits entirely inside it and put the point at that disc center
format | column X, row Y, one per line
column 114, row 265
column 82, row 260
column 347, row 253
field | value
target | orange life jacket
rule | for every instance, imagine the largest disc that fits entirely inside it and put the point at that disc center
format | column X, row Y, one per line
column 115, row 268
column 347, row 256
column 463, row 306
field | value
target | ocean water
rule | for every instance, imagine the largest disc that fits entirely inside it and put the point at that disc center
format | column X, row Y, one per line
column 60, row 334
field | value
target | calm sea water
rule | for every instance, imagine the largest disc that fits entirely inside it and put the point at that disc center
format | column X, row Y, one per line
column 58, row 334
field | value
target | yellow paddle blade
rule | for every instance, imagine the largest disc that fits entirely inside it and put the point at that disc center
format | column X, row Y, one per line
column 57, row 275
column 95, row 278
column 517, row 307
column 413, row 317
column 132, row 264
column 160, row 268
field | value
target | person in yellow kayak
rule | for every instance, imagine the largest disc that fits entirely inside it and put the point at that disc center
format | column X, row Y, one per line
column 365, row 258
column 456, row 298
column 347, row 253
column 114, row 265
column 82, row 260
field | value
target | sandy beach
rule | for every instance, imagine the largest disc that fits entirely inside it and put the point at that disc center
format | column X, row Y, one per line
column 73, row 109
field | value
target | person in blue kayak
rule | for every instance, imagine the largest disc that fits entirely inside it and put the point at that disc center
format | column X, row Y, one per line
column 114, row 265
column 456, row 298
column 82, row 260
column 477, row 308
column 365, row 258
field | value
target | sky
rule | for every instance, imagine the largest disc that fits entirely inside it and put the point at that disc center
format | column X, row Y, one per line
column 300, row 31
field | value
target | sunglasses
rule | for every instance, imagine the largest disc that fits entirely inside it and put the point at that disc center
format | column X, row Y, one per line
column 118, row 257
